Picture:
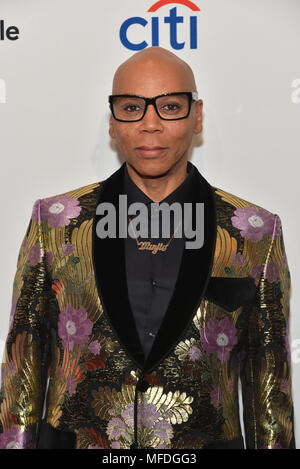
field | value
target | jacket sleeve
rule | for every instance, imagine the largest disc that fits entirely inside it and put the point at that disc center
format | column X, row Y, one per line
column 23, row 368
column 266, row 373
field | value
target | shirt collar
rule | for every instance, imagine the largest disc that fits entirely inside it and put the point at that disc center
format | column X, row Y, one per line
column 183, row 193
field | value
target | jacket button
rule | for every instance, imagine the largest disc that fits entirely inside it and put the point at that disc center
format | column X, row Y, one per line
column 142, row 385
column 133, row 446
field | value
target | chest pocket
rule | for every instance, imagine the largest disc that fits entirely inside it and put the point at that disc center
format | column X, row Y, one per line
column 231, row 293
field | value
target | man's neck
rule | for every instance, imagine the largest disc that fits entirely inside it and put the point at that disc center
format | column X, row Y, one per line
column 158, row 188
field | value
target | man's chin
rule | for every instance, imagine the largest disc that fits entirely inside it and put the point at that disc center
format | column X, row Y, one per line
column 154, row 167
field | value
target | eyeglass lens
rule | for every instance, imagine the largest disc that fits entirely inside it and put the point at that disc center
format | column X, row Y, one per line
column 169, row 107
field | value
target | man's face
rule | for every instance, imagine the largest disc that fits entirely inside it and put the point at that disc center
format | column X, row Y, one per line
column 149, row 79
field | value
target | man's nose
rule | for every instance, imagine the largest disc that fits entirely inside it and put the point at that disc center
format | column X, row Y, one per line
column 151, row 119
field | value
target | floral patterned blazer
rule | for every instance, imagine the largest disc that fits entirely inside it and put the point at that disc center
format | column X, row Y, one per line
column 73, row 372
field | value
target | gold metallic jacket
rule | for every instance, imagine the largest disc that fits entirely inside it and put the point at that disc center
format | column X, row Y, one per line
column 73, row 371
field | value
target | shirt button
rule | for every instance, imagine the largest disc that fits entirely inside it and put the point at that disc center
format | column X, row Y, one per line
column 151, row 334
column 153, row 283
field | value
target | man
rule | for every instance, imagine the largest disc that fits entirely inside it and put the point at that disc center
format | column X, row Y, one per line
column 139, row 341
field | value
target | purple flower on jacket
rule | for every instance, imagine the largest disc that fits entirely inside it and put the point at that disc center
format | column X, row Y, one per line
column 253, row 222
column 35, row 255
column 115, row 445
column 256, row 272
column 57, row 210
column 194, row 353
column 95, row 347
column 284, row 386
column 12, row 367
column 219, row 337
column 15, row 439
column 163, row 429
column 11, row 316
column 67, row 248
column 147, row 414
column 49, row 259
column 71, row 385
column 74, row 326
column 215, row 396
column 127, row 415
column 115, row 428
column 238, row 259
column 272, row 271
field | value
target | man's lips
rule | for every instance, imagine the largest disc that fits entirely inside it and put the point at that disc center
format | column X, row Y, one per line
column 150, row 151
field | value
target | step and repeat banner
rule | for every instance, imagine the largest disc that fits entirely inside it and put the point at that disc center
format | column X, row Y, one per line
column 57, row 61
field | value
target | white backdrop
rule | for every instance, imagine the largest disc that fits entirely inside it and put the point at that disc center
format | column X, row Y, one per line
column 55, row 78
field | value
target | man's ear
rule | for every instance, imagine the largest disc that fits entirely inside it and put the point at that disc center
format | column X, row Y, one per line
column 198, row 123
column 111, row 127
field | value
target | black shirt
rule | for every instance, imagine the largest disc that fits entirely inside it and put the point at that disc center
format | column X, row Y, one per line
column 151, row 277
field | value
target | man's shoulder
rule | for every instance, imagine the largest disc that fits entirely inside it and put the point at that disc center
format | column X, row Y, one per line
column 73, row 193
column 237, row 201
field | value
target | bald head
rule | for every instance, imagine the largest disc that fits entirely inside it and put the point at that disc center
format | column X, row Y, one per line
column 151, row 64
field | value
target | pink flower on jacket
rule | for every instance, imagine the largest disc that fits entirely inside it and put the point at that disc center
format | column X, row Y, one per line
column 194, row 353
column 253, row 222
column 35, row 255
column 15, row 439
column 115, row 445
column 71, row 385
column 219, row 337
column 284, row 386
column 12, row 367
column 74, row 326
column 272, row 271
column 256, row 272
column 57, row 210
column 238, row 259
column 95, row 347
column 67, row 248
column 147, row 414
column 116, row 428
column 49, row 259
column 127, row 415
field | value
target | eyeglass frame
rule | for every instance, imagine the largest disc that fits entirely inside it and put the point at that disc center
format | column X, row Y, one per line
column 192, row 95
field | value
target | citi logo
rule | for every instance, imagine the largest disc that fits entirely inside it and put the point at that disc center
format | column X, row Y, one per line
column 133, row 25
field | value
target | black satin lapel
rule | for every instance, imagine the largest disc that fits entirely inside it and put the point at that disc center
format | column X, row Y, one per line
column 193, row 277
column 110, row 274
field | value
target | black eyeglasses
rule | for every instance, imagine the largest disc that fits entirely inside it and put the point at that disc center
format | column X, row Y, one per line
column 169, row 106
